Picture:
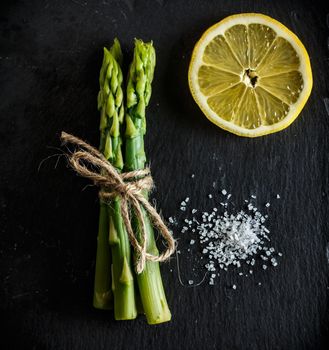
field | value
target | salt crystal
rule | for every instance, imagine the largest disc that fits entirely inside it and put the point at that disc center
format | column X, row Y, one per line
column 190, row 282
column 210, row 195
column 278, row 196
column 253, row 196
column 234, row 286
column 224, row 192
column 264, row 267
column 192, row 241
column 194, row 211
column 267, row 205
column 229, row 196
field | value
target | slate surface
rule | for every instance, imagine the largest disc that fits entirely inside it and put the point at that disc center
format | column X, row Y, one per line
column 50, row 57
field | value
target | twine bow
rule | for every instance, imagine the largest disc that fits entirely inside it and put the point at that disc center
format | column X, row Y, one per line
column 128, row 186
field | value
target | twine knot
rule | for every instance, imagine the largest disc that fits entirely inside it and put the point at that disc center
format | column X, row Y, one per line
column 130, row 187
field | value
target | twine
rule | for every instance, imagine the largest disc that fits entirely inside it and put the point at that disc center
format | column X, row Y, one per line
column 129, row 188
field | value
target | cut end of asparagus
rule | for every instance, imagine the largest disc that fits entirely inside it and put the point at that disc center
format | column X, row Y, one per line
column 103, row 300
column 125, row 318
column 165, row 316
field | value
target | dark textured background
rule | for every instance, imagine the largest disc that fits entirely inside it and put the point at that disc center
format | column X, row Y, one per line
column 50, row 54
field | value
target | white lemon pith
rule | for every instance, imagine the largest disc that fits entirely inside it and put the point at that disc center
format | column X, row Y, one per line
column 250, row 75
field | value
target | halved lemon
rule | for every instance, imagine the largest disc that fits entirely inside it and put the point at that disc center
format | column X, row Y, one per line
column 250, row 75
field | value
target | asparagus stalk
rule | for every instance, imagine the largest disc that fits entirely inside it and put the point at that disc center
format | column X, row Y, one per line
column 138, row 95
column 110, row 104
column 103, row 297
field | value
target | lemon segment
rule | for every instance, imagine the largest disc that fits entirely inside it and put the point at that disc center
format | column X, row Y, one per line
column 225, row 103
column 250, row 75
column 248, row 115
column 219, row 54
column 286, row 86
column 261, row 38
column 281, row 57
column 272, row 109
column 237, row 39
column 213, row 80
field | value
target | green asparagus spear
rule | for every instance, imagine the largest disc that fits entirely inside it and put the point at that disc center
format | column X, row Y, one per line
column 110, row 104
column 138, row 95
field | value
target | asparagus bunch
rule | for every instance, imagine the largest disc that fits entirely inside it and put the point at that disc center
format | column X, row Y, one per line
column 111, row 229
column 112, row 233
column 138, row 95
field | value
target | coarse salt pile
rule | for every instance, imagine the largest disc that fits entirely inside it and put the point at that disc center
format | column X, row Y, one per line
column 231, row 238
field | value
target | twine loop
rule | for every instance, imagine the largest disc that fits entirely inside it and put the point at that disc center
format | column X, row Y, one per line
column 130, row 188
